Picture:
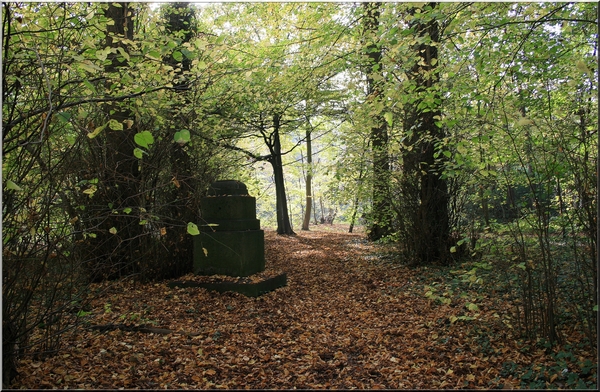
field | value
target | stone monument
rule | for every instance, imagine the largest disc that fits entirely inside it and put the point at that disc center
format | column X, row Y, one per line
column 230, row 241
column 229, row 252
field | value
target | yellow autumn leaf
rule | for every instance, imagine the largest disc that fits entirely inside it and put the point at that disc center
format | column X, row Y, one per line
column 96, row 131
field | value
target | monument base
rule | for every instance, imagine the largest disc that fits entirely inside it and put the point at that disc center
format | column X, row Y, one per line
column 249, row 286
column 233, row 253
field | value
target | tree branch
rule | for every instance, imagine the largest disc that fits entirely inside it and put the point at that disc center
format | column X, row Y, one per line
column 83, row 101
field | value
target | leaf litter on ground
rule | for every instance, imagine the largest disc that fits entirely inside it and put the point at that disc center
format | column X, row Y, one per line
column 349, row 318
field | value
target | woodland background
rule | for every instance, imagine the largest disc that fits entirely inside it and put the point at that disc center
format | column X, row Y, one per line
column 462, row 134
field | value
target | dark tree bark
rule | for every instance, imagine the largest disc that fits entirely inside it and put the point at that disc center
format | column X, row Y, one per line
column 381, row 220
column 114, row 256
column 430, row 226
column 283, row 218
column 179, row 19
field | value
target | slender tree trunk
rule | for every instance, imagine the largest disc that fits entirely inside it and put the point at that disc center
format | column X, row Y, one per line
column 354, row 211
column 322, row 220
column 355, row 205
column 314, row 207
column 307, row 211
column 381, row 220
column 283, row 219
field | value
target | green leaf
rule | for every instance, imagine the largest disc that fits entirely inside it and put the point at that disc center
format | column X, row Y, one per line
column 182, row 136
column 472, row 307
column 389, row 117
column 143, row 139
column 112, row 230
column 582, row 67
column 115, row 125
column 13, row 186
column 88, row 66
column 83, row 313
column 154, row 54
column 138, row 153
column 127, row 210
column 103, row 54
column 178, row 56
column 123, row 53
column 192, row 229
column 63, row 117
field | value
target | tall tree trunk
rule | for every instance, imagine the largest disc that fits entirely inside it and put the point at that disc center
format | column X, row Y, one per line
column 283, row 219
column 381, row 219
column 307, row 211
column 430, row 225
column 179, row 21
column 119, row 186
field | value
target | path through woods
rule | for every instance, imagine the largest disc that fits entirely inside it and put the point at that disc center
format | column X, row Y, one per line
column 349, row 318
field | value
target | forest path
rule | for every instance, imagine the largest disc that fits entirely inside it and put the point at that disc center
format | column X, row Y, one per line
column 347, row 319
